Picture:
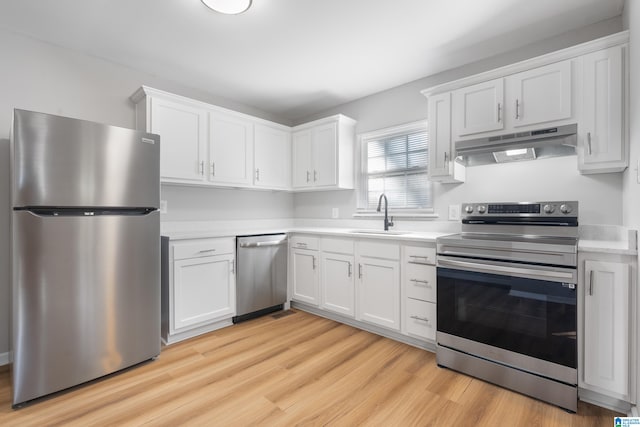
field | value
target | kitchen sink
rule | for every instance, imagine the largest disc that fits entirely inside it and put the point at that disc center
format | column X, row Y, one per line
column 380, row 232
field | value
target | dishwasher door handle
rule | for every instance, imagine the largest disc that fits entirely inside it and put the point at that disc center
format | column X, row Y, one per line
column 263, row 244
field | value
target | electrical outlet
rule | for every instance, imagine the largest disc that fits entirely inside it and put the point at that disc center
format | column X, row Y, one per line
column 163, row 206
column 335, row 213
column 454, row 212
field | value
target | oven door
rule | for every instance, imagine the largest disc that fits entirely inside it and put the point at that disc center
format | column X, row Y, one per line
column 518, row 314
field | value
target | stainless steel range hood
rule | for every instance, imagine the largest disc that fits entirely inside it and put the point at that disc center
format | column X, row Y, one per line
column 538, row 144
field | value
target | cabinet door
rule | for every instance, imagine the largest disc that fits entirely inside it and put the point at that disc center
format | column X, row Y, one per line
column 230, row 149
column 337, row 283
column 272, row 157
column 183, row 139
column 304, row 266
column 325, row 155
column 601, row 134
column 379, row 292
column 540, row 95
column 606, row 326
column 441, row 165
column 478, row 108
column 302, row 169
column 204, row 290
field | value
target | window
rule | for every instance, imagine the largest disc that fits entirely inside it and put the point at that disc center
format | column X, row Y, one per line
column 394, row 161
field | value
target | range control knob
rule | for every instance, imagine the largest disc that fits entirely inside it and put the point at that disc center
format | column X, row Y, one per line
column 565, row 209
column 482, row 209
column 468, row 209
column 549, row 209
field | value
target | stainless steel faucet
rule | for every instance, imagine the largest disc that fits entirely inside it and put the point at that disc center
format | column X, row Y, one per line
column 388, row 222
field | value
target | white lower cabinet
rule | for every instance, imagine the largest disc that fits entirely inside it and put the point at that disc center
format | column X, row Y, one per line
column 198, row 286
column 338, row 283
column 202, row 290
column 607, row 337
column 375, row 283
column 378, row 284
column 304, row 260
column 379, row 292
column 419, row 292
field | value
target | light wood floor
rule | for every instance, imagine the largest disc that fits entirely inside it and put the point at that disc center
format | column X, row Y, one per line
column 295, row 369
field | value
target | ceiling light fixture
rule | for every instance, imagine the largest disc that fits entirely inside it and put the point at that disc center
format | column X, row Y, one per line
column 229, row 7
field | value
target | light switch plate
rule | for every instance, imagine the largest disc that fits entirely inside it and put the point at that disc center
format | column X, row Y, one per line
column 335, row 213
column 163, row 206
column 454, row 212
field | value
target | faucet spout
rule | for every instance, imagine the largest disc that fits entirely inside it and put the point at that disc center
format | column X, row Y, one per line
column 387, row 222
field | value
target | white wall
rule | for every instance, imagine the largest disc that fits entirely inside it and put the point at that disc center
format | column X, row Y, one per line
column 42, row 77
column 541, row 179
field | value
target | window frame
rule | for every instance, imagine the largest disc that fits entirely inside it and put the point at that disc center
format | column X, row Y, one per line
column 362, row 209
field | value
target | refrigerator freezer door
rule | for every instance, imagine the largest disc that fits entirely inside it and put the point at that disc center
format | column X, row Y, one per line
column 86, row 298
column 58, row 161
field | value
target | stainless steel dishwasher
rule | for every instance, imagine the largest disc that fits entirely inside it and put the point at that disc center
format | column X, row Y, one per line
column 261, row 279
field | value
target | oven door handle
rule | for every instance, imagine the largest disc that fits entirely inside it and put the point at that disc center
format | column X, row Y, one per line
column 568, row 276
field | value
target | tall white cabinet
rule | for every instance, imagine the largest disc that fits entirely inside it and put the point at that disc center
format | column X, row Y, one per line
column 230, row 149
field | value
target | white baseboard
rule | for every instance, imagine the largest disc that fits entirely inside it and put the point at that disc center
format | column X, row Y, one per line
column 4, row 359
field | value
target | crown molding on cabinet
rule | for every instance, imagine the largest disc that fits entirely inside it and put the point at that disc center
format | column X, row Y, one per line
column 549, row 58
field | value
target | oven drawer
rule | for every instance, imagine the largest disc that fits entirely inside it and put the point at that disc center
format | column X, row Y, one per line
column 420, row 282
column 420, row 318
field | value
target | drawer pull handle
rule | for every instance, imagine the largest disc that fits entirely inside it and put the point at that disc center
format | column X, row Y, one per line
column 417, row 259
column 424, row 319
column 301, row 245
column 417, row 281
column 206, row 250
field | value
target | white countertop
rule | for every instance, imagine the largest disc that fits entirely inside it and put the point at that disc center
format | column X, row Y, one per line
column 421, row 236
column 593, row 238
column 610, row 239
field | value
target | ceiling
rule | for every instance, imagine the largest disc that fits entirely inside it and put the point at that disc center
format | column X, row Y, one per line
column 293, row 58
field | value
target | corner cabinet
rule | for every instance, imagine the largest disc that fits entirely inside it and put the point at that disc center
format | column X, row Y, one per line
column 602, row 137
column 323, row 154
column 198, row 286
column 272, row 157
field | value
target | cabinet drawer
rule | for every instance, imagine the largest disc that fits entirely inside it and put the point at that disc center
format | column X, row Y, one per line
column 339, row 246
column 203, row 247
column 420, row 282
column 420, row 318
column 379, row 250
column 303, row 242
column 420, row 255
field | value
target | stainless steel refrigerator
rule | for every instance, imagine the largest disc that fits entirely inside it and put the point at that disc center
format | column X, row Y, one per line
column 85, row 251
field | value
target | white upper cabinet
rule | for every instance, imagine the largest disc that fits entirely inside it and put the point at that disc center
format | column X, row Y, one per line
column 230, row 149
column 602, row 142
column 441, row 165
column 323, row 154
column 183, row 144
column 272, row 157
column 538, row 96
column 479, row 107
column 203, row 144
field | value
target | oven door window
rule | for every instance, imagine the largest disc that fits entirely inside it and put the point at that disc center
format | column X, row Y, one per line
column 532, row 317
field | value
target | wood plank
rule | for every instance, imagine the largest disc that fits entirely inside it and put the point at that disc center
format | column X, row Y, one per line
column 296, row 369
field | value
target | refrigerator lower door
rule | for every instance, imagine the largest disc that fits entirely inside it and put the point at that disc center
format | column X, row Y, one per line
column 85, row 298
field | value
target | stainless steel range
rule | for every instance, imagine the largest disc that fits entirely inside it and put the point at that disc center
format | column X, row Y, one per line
column 507, row 298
